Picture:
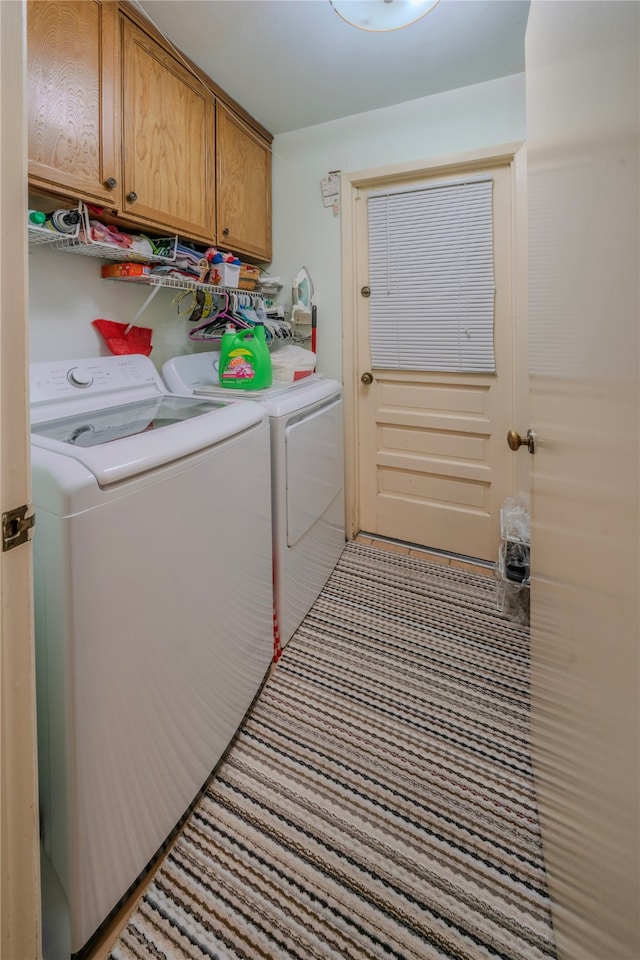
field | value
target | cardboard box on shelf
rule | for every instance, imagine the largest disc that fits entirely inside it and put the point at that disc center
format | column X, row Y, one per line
column 125, row 271
column 249, row 277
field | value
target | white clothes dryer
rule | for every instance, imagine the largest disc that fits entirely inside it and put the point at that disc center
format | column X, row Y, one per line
column 307, row 478
column 153, row 610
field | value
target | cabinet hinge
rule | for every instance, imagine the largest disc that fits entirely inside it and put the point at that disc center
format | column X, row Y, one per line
column 16, row 525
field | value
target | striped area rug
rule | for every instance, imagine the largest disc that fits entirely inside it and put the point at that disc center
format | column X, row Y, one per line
column 378, row 801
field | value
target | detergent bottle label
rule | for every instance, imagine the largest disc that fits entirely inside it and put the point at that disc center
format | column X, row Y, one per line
column 240, row 365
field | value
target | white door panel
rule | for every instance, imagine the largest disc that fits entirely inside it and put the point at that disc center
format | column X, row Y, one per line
column 433, row 464
column 582, row 77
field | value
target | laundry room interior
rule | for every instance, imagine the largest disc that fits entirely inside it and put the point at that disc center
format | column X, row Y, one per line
column 331, row 641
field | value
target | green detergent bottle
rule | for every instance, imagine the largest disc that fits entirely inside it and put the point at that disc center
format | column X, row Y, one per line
column 245, row 361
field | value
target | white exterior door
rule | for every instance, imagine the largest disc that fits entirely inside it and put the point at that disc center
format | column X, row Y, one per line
column 582, row 79
column 19, row 851
column 433, row 465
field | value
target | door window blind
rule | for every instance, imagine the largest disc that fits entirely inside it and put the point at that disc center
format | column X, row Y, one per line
column 431, row 277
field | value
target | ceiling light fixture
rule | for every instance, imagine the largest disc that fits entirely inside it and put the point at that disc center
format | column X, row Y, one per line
column 382, row 14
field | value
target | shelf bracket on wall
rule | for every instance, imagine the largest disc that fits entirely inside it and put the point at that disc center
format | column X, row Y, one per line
column 142, row 309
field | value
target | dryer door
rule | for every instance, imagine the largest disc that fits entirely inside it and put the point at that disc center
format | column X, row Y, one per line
column 314, row 467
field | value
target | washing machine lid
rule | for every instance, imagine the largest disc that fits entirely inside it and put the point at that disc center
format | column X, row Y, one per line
column 188, row 373
column 119, row 421
column 121, row 442
column 196, row 373
column 112, row 423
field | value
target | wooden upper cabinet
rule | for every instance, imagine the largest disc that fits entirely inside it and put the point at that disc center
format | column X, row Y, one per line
column 117, row 119
column 243, row 179
column 73, row 84
column 168, row 140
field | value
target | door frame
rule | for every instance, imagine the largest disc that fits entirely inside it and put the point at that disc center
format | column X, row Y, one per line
column 508, row 154
column 19, row 847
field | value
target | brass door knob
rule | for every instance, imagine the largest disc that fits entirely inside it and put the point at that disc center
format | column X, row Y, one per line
column 132, row 197
column 366, row 378
column 515, row 441
column 110, row 183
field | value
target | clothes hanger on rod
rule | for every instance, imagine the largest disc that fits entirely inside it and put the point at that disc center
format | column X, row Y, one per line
column 213, row 327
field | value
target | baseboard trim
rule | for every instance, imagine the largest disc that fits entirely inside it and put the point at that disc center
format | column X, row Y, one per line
column 419, row 548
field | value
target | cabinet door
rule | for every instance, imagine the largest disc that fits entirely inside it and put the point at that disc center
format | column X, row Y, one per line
column 72, row 92
column 168, row 139
column 243, row 176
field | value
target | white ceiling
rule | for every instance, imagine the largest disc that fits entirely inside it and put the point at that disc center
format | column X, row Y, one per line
column 295, row 63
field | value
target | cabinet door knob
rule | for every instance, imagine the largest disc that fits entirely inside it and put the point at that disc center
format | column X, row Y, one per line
column 225, row 232
column 111, row 182
column 132, row 197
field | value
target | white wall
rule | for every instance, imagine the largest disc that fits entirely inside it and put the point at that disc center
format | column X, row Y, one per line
column 67, row 293
column 307, row 233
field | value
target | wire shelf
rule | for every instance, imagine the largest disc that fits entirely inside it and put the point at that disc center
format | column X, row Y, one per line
column 83, row 244
column 110, row 251
column 37, row 236
column 79, row 244
column 40, row 235
column 184, row 283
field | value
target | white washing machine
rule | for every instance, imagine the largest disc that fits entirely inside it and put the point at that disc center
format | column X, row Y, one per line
column 307, row 477
column 153, row 603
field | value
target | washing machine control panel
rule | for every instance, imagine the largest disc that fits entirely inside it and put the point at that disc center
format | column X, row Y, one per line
column 80, row 377
column 64, row 379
